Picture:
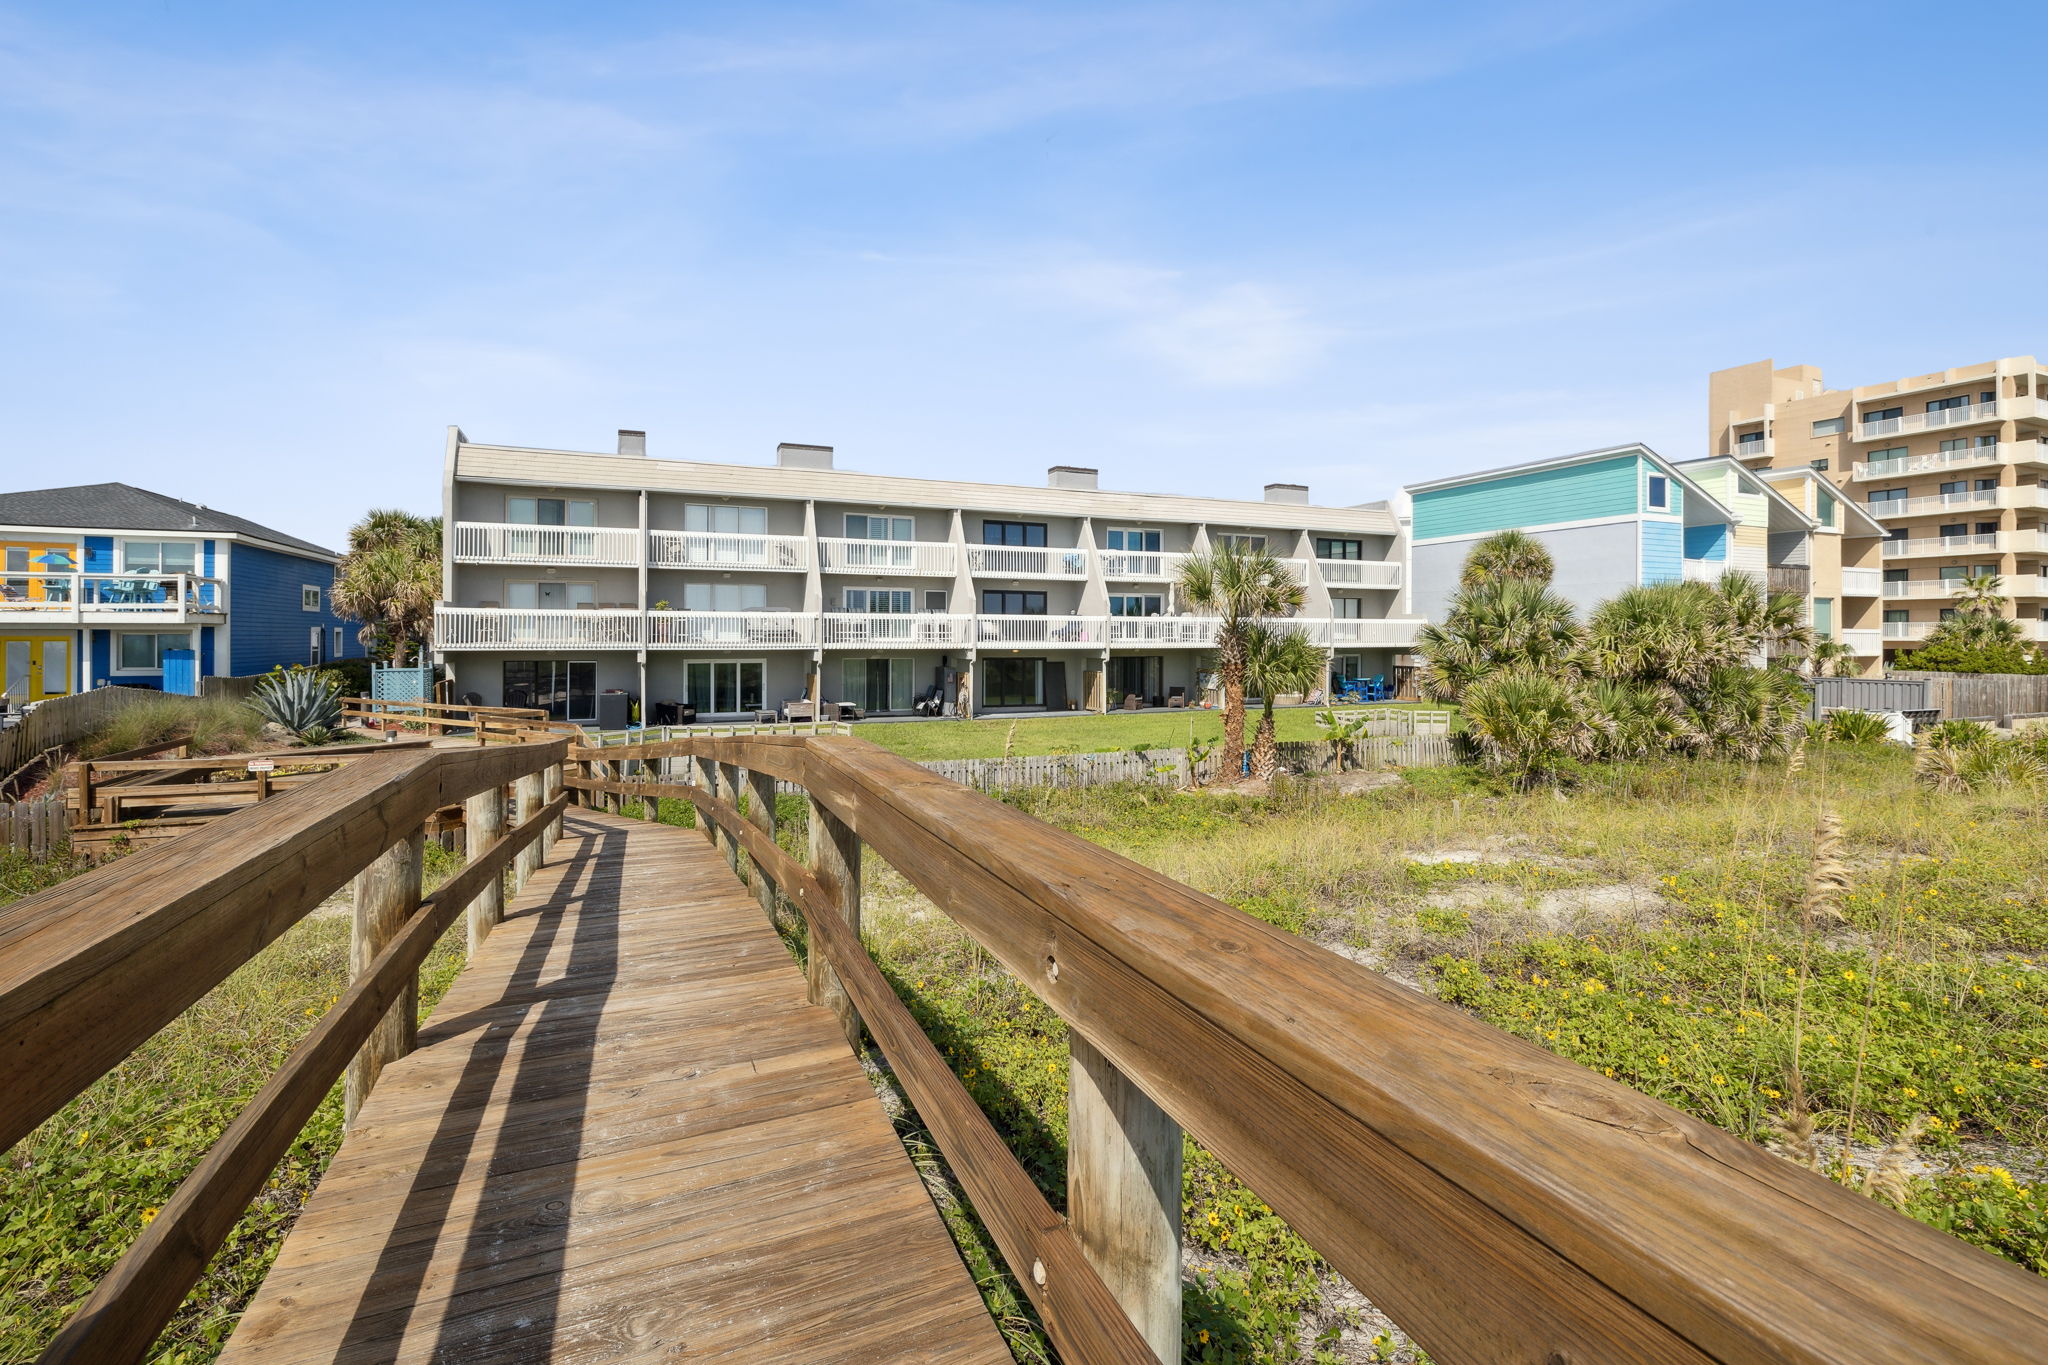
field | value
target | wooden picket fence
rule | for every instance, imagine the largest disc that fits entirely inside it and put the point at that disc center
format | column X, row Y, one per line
column 62, row 720
column 38, row 827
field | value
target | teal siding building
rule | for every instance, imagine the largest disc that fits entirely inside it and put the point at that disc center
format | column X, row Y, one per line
column 1611, row 518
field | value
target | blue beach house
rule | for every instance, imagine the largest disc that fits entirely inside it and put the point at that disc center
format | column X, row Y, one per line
column 107, row 583
column 1612, row 519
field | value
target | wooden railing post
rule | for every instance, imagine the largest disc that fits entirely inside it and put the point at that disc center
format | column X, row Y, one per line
column 483, row 823
column 729, row 786
column 554, row 829
column 527, row 863
column 761, row 811
column 835, row 862
column 1123, row 1192
column 386, row 893
column 707, row 778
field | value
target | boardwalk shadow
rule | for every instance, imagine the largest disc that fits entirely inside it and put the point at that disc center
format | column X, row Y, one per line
column 513, row 1254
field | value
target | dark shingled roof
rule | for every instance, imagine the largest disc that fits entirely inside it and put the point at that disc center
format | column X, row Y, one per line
column 122, row 507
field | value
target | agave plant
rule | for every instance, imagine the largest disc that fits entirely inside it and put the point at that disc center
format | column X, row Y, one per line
column 301, row 701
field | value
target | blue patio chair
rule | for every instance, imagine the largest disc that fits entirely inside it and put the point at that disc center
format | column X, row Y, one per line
column 1376, row 688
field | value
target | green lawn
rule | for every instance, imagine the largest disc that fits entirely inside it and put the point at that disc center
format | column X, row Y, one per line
column 1080, row 734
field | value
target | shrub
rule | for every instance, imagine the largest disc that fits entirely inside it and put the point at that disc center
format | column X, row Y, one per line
column 1529, row 725
column 1952, row 655
column 1855, row 727
column 301, row 701
column 1958, row 734
column 213, row 725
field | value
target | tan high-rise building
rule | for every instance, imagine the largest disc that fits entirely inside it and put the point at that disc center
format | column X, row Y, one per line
column 1951, row 463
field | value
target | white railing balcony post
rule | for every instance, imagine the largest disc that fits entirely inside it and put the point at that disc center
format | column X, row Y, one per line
column 478, row 542
column 1014, row 561
column 732, row 629
column 924, row 558
column 722, row 549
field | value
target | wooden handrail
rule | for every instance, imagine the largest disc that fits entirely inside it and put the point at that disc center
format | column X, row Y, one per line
column 91, row 968
column 134, row 1300
column 1500, row 1202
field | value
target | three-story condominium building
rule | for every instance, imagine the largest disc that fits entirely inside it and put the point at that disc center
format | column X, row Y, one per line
column 1950, row 462
column 106, row 583
column 735, row 589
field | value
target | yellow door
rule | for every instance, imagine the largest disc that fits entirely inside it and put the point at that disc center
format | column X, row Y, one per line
column 33, row 667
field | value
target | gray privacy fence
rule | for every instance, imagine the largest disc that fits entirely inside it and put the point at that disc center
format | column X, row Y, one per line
column 231, row 689
column 1982, row 696
column 1894, row 693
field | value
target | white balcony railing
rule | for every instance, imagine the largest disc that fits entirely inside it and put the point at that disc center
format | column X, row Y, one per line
column 1011, row 561
column 1907, row 630
column 1704, row 570
column 1933, row 461
column 110, row 598
column 480, row 542
column 1392, row 632
column 1753, row 450
column 1119, row 565
column 1863, row 643
column 1042, row 630
column 1862, row 582
column 1939, row 545
column 926, row 558
column 1935, row 504
column 543, row 628
column 1360, row 573
column 723, row 549
column 1911, row 422
column 1924, row 587
column 922, row 630
column 2027, row 585
column 1165, row 632
column 731, row 629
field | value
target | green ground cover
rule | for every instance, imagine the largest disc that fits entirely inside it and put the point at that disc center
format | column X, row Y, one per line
column 1080, row 734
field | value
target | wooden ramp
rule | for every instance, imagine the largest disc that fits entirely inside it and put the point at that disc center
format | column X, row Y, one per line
column 625, row 1136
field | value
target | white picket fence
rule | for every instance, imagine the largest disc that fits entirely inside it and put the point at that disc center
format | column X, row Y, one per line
column 38, row 827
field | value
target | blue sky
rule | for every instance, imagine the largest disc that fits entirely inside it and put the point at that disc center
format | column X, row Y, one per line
column 262, row 255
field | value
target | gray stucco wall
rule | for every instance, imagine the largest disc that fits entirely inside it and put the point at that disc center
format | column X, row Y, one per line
column 1593, row 564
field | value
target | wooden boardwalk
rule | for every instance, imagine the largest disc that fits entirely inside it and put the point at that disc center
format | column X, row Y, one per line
column 624, row 1136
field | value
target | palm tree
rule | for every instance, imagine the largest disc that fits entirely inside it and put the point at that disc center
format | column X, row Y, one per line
column 1277, row 660
column 1501, row 624
column 1831, row 656
column 1981, row 594
column 1243, row 586
column 390, row 579
column 1771, row 624
column 1505, row 556
column 1528, row 723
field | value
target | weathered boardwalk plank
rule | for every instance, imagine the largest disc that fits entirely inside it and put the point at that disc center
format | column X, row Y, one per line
column 625, row 1136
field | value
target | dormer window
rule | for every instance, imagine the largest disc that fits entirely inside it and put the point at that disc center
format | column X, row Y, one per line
column 1660, row 492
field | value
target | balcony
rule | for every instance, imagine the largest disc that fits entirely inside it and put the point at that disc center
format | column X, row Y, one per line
column 480, row 542
column 2027, row 585
column 1896, row 631
column 1862, row 582
column 916, row 558
column 731, row 629
column 1966, row 415
column 1164, row 632
column 1067, row 631
column 1932, row 462
column 724, row 550
column 1360, row 573
column 903, row 630
column 1924, row 587
column 106, row 599
column 1865, row 644
column 531, row 628
column 1794, row 578
column 1392, row 632
column 1135, row 565
column 1934, row 505
column 1012, row 561
column 1748, row 451
column 1940, row 545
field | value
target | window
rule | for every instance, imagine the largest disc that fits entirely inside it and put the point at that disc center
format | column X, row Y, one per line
column 565, row 688
column 1955, row 486
column 144, row 653
column 1961, row 528
column 1895, row 616
column 1829, row 426
column 1987, row 528
column 530, row 595
column 1136, row 604
column 1130, row 539
column 1882, row 415
column 1961, row 400
column 878, row 684
column 1242, row 542
column 1009, row 602
column 159, row 556
column 1749, row 442
column 934, row 599
column 715, row 685
column 725, row 596
column 338, row 649
column 1986, row 485
column 701, row 516
column 1820, row 464
column 1896, row 533
column 1889, row 455
column 1896, row 575
column 1955, row 443
column 878, row 599
column 1660, row 491
column 309, row 597
column 550, row 512
column 860, row 527
column 1825, row 503
column 1880, row 495
column 1948, row 613
column 1328, row 547
column 1027, row 533
column 1824, row 617
column 1347, row 608
column 1012, row 682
